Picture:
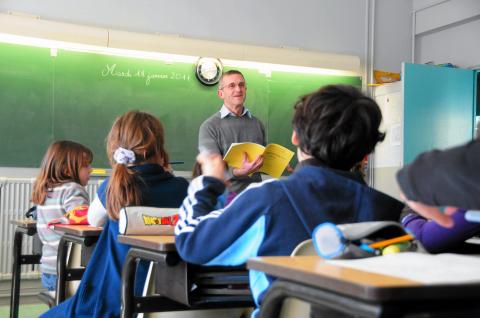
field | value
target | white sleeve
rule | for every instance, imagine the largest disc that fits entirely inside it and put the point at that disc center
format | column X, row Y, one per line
column 97, row 214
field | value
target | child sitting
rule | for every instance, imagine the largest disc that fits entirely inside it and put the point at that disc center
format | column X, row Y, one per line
column 59, row 188
column 135, row 147
column 333, row 129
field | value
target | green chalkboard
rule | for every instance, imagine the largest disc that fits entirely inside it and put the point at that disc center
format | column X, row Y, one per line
column 77, row 96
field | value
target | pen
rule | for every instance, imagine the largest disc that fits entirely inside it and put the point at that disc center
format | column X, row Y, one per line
column 398, row 239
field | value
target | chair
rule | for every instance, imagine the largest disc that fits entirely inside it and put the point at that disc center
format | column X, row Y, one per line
column 47, row 297
column 149, row 289
column 293, row 307
column 73, row 260
column 304, row 248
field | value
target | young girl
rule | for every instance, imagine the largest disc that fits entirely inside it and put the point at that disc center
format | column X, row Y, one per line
column 135, row 147
column 59, row 188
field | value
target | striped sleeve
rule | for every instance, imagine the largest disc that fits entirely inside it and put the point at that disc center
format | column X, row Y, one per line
column 219, row 237
column 73, row 196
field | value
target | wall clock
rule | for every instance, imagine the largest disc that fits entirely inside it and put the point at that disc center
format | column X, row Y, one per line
column 209, row 70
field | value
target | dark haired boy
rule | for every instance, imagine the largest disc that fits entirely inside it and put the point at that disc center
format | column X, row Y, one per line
column 333, row 129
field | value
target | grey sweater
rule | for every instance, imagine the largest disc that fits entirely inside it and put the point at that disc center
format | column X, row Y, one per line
column 217, row 134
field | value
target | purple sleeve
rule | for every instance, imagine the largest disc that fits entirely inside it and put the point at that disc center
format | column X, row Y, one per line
column 437, row 239
column 230, row 196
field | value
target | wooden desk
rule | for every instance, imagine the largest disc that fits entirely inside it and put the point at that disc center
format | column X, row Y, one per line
column 84, row 235
column 150, row 242
column 175, row 279
column 359, row 293
column 23, row 227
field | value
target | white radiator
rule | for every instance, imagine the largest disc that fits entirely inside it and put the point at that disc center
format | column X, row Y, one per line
column 15, row 197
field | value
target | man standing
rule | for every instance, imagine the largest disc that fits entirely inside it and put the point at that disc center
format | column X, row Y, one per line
column 233, row 123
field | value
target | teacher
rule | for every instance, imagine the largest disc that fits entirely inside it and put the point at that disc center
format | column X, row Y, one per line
column 234, row 123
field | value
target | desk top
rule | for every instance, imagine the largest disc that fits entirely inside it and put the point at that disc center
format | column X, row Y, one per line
column 26, row 223
column 160, row 243
column 78, row 230
column 313, row 271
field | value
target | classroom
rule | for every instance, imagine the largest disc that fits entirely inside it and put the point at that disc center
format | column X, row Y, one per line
column 402, row 77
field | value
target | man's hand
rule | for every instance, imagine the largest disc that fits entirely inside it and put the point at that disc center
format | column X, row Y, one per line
column 212, row 165
column 248, row 167
column 432, row 212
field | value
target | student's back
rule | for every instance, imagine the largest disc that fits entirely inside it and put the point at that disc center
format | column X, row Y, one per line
column 99, row 292
column 315, row 194
column 334, row 128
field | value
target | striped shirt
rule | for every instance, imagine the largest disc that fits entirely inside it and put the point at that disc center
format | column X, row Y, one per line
column 59, row 200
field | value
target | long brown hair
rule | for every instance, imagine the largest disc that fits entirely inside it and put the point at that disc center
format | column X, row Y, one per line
column 61, row 164
column 143, row 134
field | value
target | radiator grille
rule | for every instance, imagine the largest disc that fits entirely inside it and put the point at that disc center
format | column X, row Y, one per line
column 15, row 197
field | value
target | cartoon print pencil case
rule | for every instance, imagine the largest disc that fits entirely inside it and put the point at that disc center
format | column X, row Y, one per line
column 76, row 216
column 144, row 220
column 364, row 239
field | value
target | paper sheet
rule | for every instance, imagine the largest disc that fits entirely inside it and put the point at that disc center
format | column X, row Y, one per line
column 424, row 268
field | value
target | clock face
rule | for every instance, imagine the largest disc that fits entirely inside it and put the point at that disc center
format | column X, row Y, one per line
column 209, row 70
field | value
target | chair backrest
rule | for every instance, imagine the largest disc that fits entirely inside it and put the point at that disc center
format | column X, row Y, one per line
column 304, row 248
column 293, row 307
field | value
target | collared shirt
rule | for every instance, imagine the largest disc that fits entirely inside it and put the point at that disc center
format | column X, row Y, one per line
column 219, row 131
column 224, row 112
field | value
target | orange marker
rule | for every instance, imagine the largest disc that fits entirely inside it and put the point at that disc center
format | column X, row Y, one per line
column 394, row 240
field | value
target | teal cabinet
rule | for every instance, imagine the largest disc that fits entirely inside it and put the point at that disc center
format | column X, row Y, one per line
column 431, row 108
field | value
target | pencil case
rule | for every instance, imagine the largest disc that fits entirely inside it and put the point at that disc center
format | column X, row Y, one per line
column 144, row 220
column 364, row 239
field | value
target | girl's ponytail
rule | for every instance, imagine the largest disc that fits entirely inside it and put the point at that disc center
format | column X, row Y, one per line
column 122, row 189
column 136, row 138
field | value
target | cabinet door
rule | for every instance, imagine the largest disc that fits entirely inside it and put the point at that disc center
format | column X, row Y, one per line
column 438, row 108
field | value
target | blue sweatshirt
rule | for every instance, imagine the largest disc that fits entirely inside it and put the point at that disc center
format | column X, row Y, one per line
column 271, row 218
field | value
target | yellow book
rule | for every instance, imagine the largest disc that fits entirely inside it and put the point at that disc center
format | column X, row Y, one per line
column 275, row 157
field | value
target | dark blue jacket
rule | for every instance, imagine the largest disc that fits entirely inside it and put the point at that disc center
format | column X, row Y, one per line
column 99, row 292
column 272, row 217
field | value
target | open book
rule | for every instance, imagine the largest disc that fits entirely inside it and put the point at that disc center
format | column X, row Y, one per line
column 275, row 157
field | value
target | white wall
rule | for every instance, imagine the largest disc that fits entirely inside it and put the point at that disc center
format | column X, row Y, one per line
column 447, row 31
column 393, row 34
column 330, row 26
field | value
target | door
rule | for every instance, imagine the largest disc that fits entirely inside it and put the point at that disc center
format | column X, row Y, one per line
column 439, row 108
